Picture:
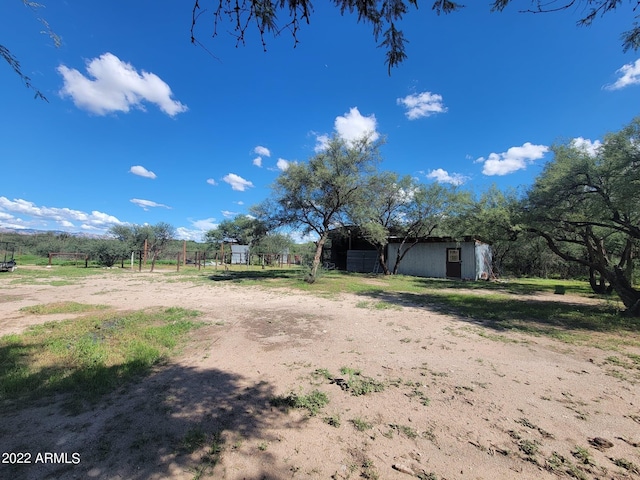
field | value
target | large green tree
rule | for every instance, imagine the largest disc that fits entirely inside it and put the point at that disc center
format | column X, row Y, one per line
column 107, row 251
column 586, row 206
column 314, row 196
column 155, row 237
column 242, row 229
column 384, row 16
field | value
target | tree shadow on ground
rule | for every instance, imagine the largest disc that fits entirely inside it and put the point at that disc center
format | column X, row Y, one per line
column 505, row 286
column 522, row 314
column 243, row 275
column 176, row 422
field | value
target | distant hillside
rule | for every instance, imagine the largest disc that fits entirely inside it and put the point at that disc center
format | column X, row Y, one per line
column 32, row 231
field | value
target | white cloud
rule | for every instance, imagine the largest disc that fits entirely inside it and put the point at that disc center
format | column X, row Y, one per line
column 205, row 224
column 63, row 217
column 239, row 202
column 200, row 227
column 147, row 204
column 442, row 176
column 142, row 172
column 183, row 233
column 353, row 126
column 228, row 213
column 237, row 182
column 116, row 86
column 211, row 181
column 422, row 104
column 514, row 159
column 257, row 161
column 262, row 151
column 350, row 127
column 585, row 144
column 322, row 143
column 629, row 75
column 282, row 164
column 101, row 219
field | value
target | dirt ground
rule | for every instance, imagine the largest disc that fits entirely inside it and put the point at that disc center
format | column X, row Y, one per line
column 460, row 400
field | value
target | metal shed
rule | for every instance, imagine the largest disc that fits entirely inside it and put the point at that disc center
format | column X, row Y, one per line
column 443, row 257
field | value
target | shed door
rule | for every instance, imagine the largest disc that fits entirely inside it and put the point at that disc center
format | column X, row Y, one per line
column 454, row 267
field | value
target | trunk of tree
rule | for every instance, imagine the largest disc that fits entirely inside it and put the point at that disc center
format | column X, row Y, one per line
column 153, row 260
column 616, row 276
column 383, row 261
column 401, row 254
column 630, row 296
column 317, row 258
column 598, row 283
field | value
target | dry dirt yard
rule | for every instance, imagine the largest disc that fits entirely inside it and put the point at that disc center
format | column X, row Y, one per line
column 459, row 400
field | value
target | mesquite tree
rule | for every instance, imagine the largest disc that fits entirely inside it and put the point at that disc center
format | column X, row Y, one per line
column 314, row 196
column 156, row 237
column 586, row 206
column 272, row 17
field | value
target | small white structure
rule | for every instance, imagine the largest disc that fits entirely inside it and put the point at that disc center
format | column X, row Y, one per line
column 468, row 259
column 239, row 254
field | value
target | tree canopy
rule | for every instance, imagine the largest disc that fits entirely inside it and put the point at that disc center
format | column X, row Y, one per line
column 585, row 205
column 243, row 229
column 315, row 195
column 384, row 17
column 154, row 237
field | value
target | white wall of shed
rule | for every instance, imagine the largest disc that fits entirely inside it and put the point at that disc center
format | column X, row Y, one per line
column 430, row 259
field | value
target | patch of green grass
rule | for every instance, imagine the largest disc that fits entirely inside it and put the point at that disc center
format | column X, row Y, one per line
column 333, row 420
column 583, row 455
column 361, row 424
column 634, row 358
column 62, row 307
column 422, row 397
column 634, row 364
column 555, row 463
column 405, row 430
column 382, row 305
column 312, row 402
column 359, row 384
column 322, row 372
column 57, row 275
column 350, row 371
column 528, row 447
column 626, row 464
column 369, row 470
column 427, row 476
column 194, row 439
column 566, row 322
column 88, row 356
column 210, row 457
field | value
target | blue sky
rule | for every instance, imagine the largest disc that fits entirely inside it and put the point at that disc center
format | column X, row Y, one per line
column 142, row 126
